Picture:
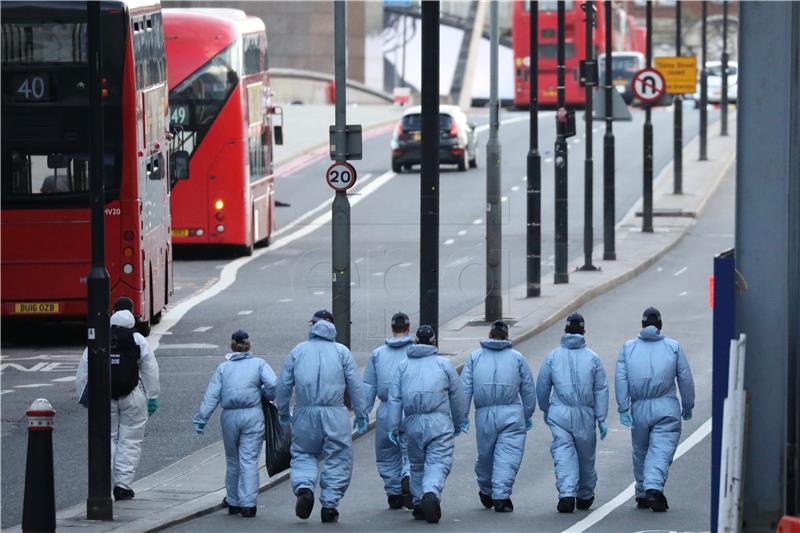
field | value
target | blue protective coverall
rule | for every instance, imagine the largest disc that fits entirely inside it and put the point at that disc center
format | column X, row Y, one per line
column 319, row 370
column 238, row 385
column 427, row 390
column 573, row 394
column 645, row 383
column 392, row 460
column 500, row 381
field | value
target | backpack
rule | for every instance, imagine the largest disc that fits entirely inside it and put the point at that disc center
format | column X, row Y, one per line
column 124, row 356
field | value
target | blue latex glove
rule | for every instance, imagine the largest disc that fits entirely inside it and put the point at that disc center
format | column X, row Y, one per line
column 285, row 420
column 152, row 405
column 464, row 428
column 603, row 427
column 361, row 423
column 687, row 414
column 394, row 437
column 528, row 424
column 626, row 419
column 199, row 427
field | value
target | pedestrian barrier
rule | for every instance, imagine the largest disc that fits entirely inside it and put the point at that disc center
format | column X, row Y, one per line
column 733, row 421
column 39, row 503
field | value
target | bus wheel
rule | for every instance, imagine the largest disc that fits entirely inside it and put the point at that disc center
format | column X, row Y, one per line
column 143, row 328
column 245, row 250
column 263, row 243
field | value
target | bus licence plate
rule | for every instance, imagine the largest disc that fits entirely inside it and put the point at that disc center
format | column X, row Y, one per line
column 36, row 308
column 180, row 232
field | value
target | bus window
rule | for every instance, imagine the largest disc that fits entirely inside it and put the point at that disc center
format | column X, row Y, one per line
column 26, row 174
column 549, row 51
column 44, row 42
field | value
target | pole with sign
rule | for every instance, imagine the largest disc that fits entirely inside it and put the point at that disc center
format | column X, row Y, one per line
column 648, row 86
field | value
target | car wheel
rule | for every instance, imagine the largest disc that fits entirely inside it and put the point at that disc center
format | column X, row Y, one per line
column 462, row 165
column 473, row 163
column 397, row 168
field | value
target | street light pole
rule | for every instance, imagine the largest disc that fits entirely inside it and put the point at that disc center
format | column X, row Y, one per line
column 677, row 145
column 493, row 306
column 588, row 165
column 340, row 222
column 609, row 251
column 98, row 503
column 429, row 179
column 724, row 98
column 561, row 221
column 647, row 194
column 703, row 88
column 534, row 183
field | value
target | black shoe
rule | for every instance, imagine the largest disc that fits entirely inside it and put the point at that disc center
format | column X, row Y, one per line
column 232, row 509
column 418, row 514
column 121, row 493
column 431, row 508
column 305, row 502
column 503, row 506
column 329, row 515
column 395, row 501
column 566, row 505
column 657, row 500
column 584, row 504
column 405, row 485
column 486, row 501
column 248, row 512
column 641, row 503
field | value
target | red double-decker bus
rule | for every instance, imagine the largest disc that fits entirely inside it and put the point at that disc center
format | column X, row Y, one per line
column 220, row 107
column 574, row 48
column 45, row 158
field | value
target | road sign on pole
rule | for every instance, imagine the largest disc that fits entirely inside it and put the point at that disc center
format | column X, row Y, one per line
column 680, row 73
column 648, row 85
column 340, row 176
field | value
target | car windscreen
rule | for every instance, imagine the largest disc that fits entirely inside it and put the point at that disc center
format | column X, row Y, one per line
column 414, row 121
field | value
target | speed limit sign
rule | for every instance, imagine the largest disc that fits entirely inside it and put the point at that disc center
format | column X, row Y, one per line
column 340, row 176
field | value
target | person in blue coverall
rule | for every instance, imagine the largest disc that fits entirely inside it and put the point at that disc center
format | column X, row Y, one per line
column 392, row 461
column 427, row 390
column 238, row 385
column 573, row 395
column 320, row 370
column 500, row 381
column 647, row 369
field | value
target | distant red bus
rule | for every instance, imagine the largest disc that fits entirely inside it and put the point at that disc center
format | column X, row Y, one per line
column 45, row 158
column 574, row 48
column 220, row 106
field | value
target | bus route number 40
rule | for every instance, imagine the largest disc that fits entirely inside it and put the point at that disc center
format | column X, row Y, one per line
column 340, row 176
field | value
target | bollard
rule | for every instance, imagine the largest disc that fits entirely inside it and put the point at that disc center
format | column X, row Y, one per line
column 39, row 506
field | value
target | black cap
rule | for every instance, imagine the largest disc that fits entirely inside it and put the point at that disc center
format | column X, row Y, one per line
column 400, row 320
column 500, row 327
column 240, row 336
column 575, row 320
column 651, row 314
column 425, row 333
column 322, row 314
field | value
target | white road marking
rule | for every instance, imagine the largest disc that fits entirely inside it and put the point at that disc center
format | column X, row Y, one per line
column 606, row 509
column 504, row 199
column 515, row 188
column 659, row 269
column 377, row 273
column 284, row 300
column 681, row 271
column 276, row 263
column 33, row 385
column 477, row 221
column 576, row 140
column 5, row 392
column 161, row 333
column 524, row 178
column 229, row 272
column 684, row 293
column 404, row 265
column 461, row 232
column 548, row 160
column 65, row 379
column 202, row 329
column 448, row 242
column 360, row 259
column 551, row 257
column 318, row 293
column 177, row 288
column 459, row 262
column 246, row 312
column 190, row 346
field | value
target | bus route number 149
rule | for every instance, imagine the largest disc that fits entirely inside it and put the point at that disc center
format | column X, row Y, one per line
column 340, row 176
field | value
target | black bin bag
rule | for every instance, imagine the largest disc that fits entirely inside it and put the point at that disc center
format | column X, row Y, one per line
column 277, row 439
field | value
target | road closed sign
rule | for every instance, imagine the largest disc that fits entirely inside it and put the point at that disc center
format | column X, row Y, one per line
column 340, row 176
column 680, row 73
column 648, row 85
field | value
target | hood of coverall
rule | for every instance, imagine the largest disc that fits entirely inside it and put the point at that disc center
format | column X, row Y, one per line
column 650, row 334
column 398, row 342
column 573, row 341
column 323, row 329
column 421, row 350
column 496, row 344
column 236, row 356
column 123, row 319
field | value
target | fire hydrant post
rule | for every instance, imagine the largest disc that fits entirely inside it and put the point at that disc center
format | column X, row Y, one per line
column 39, row 507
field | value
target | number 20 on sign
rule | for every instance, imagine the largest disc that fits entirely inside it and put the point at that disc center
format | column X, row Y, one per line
column 340, row 176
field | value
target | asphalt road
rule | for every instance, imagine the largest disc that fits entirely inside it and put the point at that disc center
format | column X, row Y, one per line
column 678, row 285
column 275, row 294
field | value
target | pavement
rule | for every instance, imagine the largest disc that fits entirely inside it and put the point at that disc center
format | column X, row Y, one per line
column 192, row 486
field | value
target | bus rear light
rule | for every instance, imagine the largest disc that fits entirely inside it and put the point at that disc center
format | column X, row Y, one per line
column 127, row 251
column 220, row 228
column 128, row 235
column 127, row 268
column 218, row 205
column 219, row 215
